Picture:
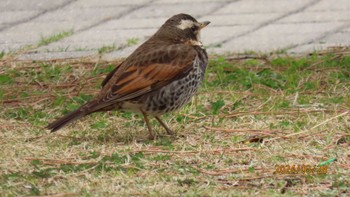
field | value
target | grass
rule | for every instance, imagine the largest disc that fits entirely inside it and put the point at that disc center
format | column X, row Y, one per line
column 109, row 48
column 132, row 41
column 2, row 54
column 250, row 115
column 54, row 38
column 106, row 49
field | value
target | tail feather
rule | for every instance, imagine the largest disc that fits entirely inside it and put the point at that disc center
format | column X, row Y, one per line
column 70, row 117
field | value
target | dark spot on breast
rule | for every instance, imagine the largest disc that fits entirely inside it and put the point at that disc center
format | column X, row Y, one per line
column 162, row 107
column 161, row 102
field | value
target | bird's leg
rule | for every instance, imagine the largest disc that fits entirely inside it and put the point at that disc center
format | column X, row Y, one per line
column 151, row 136
column 168, row 130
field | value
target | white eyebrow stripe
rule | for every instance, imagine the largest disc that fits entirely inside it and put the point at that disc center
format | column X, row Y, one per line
column 184, row 24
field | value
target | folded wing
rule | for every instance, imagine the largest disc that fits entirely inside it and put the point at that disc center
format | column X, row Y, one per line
column 146, row 71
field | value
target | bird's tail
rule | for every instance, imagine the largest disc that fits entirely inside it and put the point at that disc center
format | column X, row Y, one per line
column 84, row 110
column 70, row 117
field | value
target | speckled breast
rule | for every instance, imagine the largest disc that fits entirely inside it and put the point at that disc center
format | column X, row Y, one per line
column 177, row 93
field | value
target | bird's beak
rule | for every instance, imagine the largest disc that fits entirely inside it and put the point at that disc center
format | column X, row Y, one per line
column 204, row 24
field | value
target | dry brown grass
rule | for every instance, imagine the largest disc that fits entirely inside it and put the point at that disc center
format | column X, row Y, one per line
column 229, row 138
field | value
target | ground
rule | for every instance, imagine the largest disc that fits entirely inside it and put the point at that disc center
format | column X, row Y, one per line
column 254, row 114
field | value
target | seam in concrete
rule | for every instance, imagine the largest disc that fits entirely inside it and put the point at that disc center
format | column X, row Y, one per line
column 312, row 22
column 204, row 14
column 225, row 3
column 122, row 14
column 319, row 38
column 269, row 22
column 9, row 25
column 174, row 3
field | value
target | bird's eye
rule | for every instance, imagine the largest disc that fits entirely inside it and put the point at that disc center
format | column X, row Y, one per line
column 193, row 28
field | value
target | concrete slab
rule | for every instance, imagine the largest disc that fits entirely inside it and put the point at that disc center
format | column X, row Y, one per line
column 132, row 23
column 258, row 6
column 108, row 3
column 236, row 25
column 87, row 15
column 331, row 5
column 214, row 35
column 239, row 19
column 93, row 40
column 318, row 16
column 119, row 54
column 340, row 38
column 8, row 17
column 20, row 5
column 278, row 37
column 309, row 48
column 56, row 55
column 168, row 9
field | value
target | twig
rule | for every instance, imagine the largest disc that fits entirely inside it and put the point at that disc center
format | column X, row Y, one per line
column 49, row 95
column 304, row 156
column 286, row 185
column 290, row 112
column 253, row 131
column 60, row 195
column 246, row 57
column 345, row 166
column 225, row 171
column 195, row 117
column 312, row 128
column 216, row 151
column 56, row 135
column 320, row 62
column 58, row 161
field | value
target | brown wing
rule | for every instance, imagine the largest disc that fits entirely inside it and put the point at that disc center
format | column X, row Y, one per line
column 145, row 71
column 110, row 75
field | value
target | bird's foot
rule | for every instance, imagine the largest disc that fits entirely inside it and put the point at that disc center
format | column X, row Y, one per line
column 169, row 131
column 151, row 137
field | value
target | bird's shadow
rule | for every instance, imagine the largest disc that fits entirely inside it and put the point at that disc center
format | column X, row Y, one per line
column 107, row 136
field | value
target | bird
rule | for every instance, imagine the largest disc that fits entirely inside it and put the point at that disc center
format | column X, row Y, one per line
column 159, row 77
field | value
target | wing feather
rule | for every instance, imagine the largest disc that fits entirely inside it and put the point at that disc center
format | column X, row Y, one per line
column 147, row 71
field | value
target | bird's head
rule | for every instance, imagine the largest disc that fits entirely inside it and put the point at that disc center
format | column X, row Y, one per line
column 182, row 28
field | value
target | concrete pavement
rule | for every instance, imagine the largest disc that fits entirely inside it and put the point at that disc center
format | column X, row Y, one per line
column 113, row 28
